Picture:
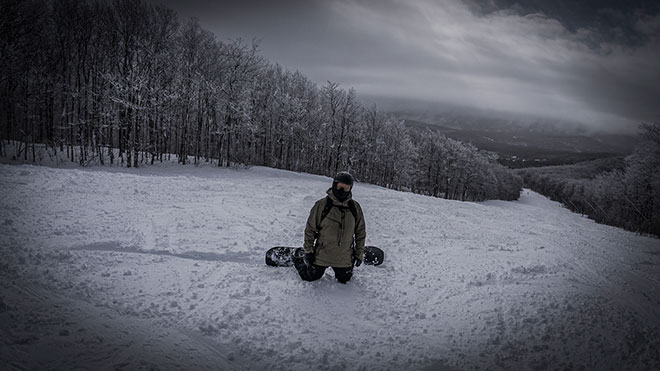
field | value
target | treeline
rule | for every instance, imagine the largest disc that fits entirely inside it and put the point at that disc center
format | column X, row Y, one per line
column 128, row 83
column 623, row 193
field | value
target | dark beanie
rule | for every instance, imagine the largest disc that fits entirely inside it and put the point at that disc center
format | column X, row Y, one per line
column 343, row 177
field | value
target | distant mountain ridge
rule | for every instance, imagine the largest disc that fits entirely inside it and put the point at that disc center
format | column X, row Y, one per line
column 534, row 145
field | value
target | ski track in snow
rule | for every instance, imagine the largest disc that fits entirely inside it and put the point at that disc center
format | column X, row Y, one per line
column 163, row 268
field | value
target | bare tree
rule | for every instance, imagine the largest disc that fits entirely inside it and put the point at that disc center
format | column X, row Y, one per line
column 125, row 78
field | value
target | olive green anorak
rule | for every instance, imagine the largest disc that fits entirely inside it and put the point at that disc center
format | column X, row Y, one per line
column 335, row 235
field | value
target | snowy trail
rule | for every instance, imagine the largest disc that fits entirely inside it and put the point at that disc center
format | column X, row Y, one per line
column 168, row 261
column 84, row 335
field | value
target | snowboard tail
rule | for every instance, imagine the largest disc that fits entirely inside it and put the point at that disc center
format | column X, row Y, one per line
column 282, row 256
column 373, row 255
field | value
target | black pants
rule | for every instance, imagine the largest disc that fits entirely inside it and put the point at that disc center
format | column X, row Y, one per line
column 314, row 272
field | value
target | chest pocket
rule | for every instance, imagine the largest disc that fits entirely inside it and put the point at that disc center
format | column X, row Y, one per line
column 338, row 226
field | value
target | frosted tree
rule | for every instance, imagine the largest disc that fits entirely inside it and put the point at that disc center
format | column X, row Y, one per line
column 240, row 65
column 127, row 78
column 643, row 181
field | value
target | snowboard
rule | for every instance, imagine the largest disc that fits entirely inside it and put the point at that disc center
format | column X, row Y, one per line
column 282, row 256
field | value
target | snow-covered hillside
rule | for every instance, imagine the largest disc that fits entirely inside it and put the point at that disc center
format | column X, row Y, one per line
column 163, row 268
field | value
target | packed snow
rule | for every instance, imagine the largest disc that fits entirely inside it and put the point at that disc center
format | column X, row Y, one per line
column 163, row 268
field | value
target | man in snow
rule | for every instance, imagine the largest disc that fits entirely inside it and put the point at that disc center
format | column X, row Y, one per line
column 334, row 234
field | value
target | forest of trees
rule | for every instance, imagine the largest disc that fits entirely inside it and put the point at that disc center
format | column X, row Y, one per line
column 128, row 83
column 624, row 193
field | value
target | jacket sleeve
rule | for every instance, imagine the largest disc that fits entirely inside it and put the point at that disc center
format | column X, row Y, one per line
column 311, row 229
column 360, row 233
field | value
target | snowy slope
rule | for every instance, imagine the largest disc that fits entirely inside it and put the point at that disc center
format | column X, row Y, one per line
column 162, row 268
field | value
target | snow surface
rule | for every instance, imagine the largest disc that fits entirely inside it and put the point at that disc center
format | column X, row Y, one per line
column 163, row 268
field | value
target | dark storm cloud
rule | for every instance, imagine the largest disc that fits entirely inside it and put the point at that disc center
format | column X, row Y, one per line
column 592, row 62
column 612, row 20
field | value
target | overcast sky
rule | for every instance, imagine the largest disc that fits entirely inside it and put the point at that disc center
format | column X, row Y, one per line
column 595, row 62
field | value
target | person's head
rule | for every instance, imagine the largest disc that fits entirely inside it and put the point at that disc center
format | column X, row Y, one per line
column 342, row 185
